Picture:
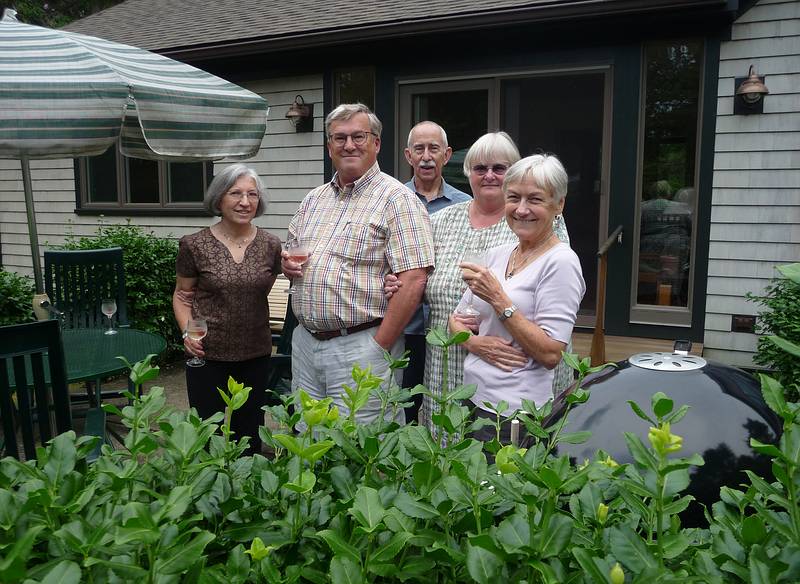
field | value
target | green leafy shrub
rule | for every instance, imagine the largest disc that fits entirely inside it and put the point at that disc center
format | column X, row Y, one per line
column 341, row 502
column 781, row 319
column 16, row 298
column 149, row 276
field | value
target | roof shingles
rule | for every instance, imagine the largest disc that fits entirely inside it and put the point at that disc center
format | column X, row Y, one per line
column 169, row 24
column 176, row 25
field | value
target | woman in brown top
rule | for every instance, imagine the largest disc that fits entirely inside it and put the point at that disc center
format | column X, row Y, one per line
column 227, row 270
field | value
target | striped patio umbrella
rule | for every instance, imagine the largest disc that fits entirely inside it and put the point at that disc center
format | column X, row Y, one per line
column 64, row 95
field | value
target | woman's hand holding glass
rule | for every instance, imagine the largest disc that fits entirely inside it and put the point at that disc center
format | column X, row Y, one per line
column 196, row 330
column 468, row 315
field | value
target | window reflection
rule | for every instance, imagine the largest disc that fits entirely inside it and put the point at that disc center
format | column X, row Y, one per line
column 185, row 183
column 355, row 85
column 668, row 199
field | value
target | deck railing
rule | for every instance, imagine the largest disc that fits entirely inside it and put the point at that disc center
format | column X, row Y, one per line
column 598, row 353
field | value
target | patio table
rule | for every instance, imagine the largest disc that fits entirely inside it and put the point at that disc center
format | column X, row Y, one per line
column 90, row 354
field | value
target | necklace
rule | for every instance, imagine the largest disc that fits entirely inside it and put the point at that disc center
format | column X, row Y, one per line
column 239, row 243
column 512, row 264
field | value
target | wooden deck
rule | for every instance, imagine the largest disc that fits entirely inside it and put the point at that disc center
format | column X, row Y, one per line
column 620, row 348
column 278, row 299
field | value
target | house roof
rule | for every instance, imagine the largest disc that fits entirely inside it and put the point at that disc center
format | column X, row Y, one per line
column 196, row 28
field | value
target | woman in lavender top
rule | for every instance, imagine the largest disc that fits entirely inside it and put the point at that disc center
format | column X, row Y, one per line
column 528, row 294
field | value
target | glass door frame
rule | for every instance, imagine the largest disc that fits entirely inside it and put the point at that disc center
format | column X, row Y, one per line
column 650, row 314
column 491, row 81
column 405, row 89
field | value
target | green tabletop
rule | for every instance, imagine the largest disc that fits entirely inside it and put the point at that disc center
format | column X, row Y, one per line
column 90, row 354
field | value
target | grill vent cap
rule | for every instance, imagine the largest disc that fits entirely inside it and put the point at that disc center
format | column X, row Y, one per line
column 658, row 361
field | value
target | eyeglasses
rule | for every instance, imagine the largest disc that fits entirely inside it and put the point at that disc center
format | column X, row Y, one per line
column 252, row 196
column 497, row 169
column 358, row 138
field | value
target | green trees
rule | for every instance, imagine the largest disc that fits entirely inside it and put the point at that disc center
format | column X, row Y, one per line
column 780, row 321
column 16, row 299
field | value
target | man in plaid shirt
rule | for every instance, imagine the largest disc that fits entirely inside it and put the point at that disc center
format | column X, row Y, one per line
column 359, row 227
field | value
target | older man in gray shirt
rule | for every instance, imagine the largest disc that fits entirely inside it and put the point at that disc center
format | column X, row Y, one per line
column 427, row 153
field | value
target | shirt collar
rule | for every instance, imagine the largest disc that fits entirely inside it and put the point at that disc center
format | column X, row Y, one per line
column 359, row 185
column 444, row 189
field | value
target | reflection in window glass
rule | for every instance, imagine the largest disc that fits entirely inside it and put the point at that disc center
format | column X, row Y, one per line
column 102, row 177
column 356, row 85
column 186, row 182
column 672, row 82
column 142, row 180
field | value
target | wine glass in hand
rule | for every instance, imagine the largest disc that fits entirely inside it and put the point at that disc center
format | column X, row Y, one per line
column 109, row 307
column 472, row 257
column 196, row 329
column 468, row 315
column 298, row 253
column 478, row 258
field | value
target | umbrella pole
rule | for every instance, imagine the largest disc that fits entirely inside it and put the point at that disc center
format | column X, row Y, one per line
column 34, row 235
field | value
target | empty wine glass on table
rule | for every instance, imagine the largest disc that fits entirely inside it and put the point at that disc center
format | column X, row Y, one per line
column 109, row 307
column 196, row 329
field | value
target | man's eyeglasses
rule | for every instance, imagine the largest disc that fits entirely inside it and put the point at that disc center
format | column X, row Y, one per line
column 251, row 196
column 358, row 138
column 497, row 169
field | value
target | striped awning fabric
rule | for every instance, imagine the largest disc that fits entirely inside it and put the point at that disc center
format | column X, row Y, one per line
column 64, row 94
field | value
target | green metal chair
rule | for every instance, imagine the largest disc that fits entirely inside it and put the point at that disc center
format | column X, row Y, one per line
column 77, row 281
column 280, row 363
column 36, row 402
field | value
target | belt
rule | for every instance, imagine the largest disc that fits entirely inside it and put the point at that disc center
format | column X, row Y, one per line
column 328, row 335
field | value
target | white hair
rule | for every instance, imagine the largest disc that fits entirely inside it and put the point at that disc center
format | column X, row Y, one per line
column 546, row 171
column 437, row 126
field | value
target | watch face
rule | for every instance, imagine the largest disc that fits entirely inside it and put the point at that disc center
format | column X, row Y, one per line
column 507, row 312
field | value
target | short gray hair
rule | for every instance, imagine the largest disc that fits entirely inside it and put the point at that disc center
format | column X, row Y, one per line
column 223, row 182
column 347, row 111
column 546, row 171
column 438, row 127
column 489, row 147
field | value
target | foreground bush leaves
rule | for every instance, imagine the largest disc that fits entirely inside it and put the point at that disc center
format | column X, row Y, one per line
column 345, row 503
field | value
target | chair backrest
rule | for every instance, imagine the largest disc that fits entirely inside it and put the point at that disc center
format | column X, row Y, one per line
column 289, row 324
column 39, row 404
column 78, row 281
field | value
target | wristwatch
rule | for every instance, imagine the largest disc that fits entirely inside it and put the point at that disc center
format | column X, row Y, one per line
column 506, row 314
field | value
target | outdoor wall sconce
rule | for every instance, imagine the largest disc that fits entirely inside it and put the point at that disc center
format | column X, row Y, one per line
column 750, row 92
column 301, row 115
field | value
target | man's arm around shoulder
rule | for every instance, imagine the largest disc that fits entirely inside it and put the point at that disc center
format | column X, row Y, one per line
column 402, row 306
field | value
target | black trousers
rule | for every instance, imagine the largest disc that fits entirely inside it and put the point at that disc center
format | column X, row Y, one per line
column 414, row 374
column 202, row 383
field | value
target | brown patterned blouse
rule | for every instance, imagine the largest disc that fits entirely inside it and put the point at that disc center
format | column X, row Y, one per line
column 232, row 297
